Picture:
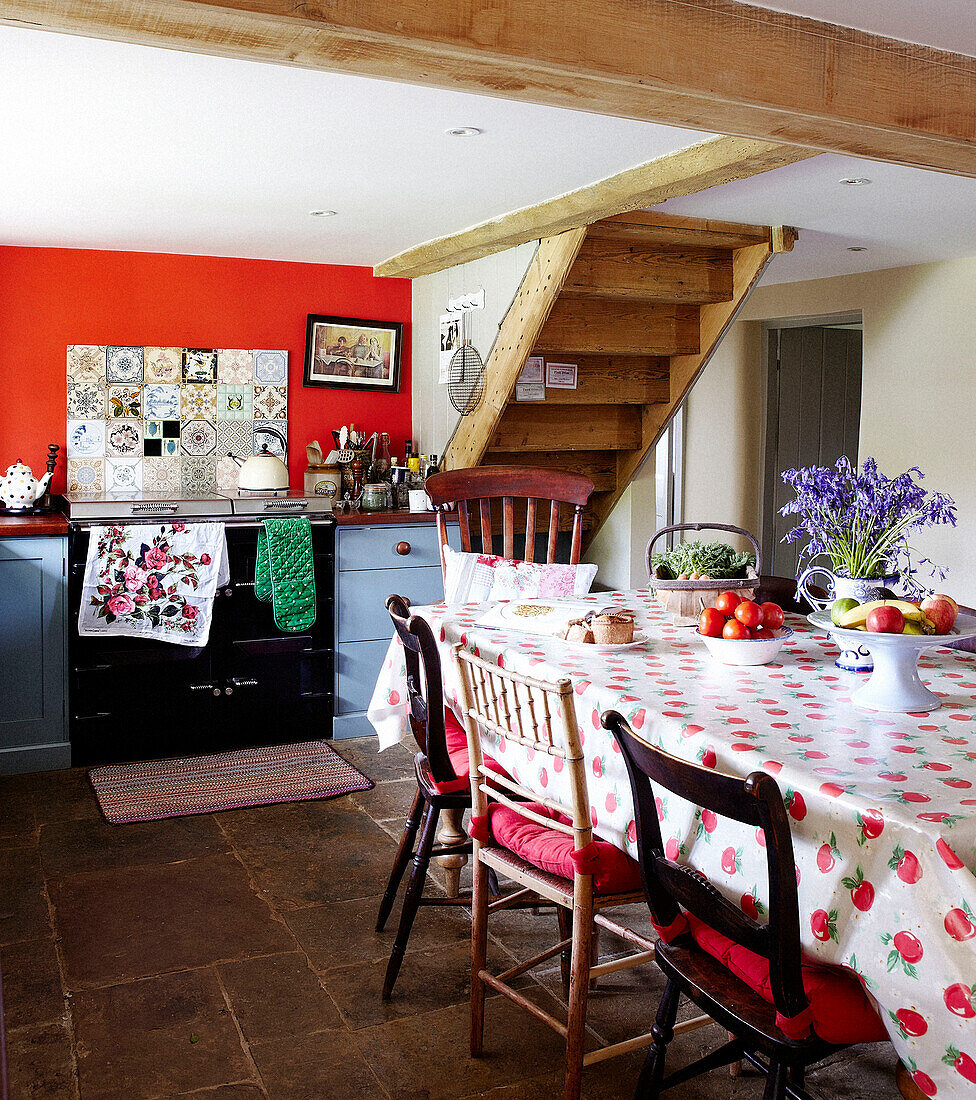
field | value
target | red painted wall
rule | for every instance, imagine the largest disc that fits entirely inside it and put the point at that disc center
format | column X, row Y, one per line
column 52, row 297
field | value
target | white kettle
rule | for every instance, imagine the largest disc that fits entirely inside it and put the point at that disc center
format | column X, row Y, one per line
column 261, row 473
column 19, row 489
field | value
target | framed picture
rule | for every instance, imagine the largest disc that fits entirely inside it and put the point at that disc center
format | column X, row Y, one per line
column 532, row 371
column 561, row 376
column 352, row 353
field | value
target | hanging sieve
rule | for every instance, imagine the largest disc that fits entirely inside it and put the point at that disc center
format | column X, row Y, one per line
column 466, row 383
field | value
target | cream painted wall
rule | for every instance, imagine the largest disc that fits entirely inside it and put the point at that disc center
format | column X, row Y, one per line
column 501, row 274
column 918, row 396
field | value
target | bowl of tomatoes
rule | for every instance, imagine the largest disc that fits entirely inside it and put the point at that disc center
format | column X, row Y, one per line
column 739, row 631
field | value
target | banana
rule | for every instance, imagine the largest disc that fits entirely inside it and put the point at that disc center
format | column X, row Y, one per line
column 856, row 618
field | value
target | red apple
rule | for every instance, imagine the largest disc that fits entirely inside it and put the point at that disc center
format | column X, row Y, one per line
column 943, row 596
column 885, row 620
column 959, row 1000
column 908, row 946
column 958, row 925
column 941, row 612
column 912, row 1023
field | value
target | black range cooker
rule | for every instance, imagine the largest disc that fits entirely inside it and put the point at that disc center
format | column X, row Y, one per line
column 252, row 684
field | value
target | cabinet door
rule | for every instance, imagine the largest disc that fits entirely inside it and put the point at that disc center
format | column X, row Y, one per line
column 33, row 731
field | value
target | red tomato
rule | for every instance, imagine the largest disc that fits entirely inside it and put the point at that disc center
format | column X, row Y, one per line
column 772, row 615
column 735, row 630
column 763, row 632
column 749, row 613
column 710, row 622
column 728, row 602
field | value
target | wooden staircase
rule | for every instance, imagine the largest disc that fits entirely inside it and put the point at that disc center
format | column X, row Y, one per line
column 639, row 301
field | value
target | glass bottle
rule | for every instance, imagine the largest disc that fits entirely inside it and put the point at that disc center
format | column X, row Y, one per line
column 380, row 466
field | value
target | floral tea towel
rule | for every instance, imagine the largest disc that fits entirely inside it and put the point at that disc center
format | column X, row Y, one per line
column 153, row 581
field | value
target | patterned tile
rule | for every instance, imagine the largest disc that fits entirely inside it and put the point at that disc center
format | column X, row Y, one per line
column 235, row 366
column 123, row 439
column 234, row 402
column 161, row 475
column 271, row 366
column 86, row 438
column 86, row 475
column 124, row 402
column 274, row 434
column 124, row 364
column 227, row 474
column 156, row 445
column 199, row 365
column 164, row 365
column 198, row 399
column 86, row 401
column 86, row 363
column 161, row 402
column 198, row 438
column 270, row 403
column 123, row 475
column 198, row 475
column 234, row 437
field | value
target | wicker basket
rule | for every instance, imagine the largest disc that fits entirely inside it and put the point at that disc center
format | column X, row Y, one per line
column 683, row 599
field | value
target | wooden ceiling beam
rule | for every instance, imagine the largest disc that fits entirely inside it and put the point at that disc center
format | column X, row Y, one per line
column 685, row 172
column 711, row 65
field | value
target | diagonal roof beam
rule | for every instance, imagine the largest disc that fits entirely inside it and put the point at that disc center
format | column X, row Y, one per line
column 711, row 65
column 708, row 164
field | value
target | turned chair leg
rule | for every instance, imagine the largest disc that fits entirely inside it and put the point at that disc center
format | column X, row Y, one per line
column 776, row 1081
column 649, row 1082
column 479, row 955
column 401, row 859
column 579, row 988
column 565, row 919
column 411, row 900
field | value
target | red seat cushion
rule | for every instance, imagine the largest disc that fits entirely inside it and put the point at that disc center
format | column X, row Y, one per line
column 614, row 872
column 841, row 1012
column 457, row 751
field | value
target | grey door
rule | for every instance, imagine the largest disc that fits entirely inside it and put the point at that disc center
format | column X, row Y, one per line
column 814, row 409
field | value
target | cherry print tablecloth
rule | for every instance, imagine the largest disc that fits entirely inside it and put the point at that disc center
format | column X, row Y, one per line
column 881, row 806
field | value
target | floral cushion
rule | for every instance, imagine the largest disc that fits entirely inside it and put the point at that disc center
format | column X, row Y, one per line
column 840, row 1011
column 478, row 578
column 614, row 872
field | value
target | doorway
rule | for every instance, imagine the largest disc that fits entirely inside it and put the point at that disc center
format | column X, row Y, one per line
column 813, row 412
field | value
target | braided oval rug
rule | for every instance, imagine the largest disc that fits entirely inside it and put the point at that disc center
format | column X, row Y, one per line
column 155, row 789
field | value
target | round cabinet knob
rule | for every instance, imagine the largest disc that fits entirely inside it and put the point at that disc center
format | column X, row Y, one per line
column 402, row 548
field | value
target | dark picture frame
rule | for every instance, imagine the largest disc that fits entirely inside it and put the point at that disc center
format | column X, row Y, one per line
column 353, row 353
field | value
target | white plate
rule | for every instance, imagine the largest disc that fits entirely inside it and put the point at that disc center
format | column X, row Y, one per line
column 639, row 639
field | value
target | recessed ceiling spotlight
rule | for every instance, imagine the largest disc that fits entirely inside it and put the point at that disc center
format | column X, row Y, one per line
column 857, row 248
column 323, row 213
column 855, row 181
column 463, row 131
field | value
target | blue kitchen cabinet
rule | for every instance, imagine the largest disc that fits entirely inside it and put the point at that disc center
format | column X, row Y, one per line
column 371, row 563
column 33, row 670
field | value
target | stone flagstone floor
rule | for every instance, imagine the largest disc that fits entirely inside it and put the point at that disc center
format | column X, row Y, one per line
column 232, row 956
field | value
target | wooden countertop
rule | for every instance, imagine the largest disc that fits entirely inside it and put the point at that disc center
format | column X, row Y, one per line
column 361, row 519
column 33, row 526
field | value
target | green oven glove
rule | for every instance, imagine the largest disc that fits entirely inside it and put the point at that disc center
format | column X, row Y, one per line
column 284, row 572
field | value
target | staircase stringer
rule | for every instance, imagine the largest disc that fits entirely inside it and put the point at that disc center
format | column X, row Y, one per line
column 748, row 265
column 516, row 337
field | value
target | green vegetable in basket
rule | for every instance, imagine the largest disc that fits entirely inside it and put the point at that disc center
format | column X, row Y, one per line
column 716, row 560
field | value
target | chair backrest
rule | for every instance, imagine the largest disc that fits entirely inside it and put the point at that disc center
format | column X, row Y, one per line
column 425, row 691
column 473, row 491
column 535, row 714
column 755, row 801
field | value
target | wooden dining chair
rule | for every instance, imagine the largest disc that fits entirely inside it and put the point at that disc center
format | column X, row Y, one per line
column 546, row 845
column 485, row 494
column 441, row 767
column 781, row 1013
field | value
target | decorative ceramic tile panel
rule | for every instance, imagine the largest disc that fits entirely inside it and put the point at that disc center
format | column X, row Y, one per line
column 86, row 438
column 86, row 475
column 164, row 419
column 86, row 363
column 123, row 439
column 271, row 367
column 124, row 364
column 235, row 366
column 164, row 365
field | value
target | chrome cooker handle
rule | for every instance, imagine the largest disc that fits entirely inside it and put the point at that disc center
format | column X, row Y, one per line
column 282, row 504
column 153, row 507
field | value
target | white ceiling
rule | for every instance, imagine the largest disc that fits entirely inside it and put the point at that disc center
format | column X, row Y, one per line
column 114, row 146
column 944, row 24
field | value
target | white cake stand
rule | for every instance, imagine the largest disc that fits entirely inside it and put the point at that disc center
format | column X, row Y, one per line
column 894, row 684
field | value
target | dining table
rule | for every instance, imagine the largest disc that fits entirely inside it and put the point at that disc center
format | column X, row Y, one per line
column 881, row 805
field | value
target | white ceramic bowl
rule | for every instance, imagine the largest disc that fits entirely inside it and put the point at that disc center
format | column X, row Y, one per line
column 746, row 651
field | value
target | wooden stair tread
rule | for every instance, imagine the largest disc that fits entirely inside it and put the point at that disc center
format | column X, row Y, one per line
column 541, row 426
column 615, row 380
column 592, row 325
column 650, row 228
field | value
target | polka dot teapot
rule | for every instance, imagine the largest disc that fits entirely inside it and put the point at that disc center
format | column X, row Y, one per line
column 19, row 489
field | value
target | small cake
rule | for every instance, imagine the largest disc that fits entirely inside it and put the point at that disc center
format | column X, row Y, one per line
column 578, row 631
column 613, row 628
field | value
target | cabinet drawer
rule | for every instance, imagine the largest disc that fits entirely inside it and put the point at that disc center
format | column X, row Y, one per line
column 375, row 547
column 362, row 613
column 358, row 665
